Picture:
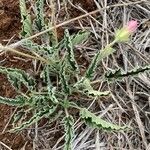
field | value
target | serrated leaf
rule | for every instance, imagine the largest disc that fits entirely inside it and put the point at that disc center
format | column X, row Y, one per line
column 63, row 78
column 18, row 101
column 119, row 74
column 86, row 88
column 70, row 55
column 25, row 19
column 39, row 12
column 79, row 84
column 87, row 85
column 83, row 84
column 40, row 49
column 17, row 77
column 50, row 88
column 69, row 132
column 53, row 37
column 44, row 112
column 97, row 58
column 76, row 39
column 37, row 101
column 96, row 122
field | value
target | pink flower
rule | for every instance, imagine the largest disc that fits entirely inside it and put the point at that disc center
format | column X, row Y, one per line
column 132, row 26
column 123, row 34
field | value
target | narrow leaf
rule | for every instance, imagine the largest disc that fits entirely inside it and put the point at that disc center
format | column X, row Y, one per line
column 51, row 90
column 45, row 112
column 26, row 20
column 119, row 74
column 18, row 101
column 53, row 37
column 97, row 58
column 80, row 37
column 96, row 122
column 40, row 49
column 39, row 20
column 69, row 48
column 18, row 77
column 69, row 132
column 63, row 78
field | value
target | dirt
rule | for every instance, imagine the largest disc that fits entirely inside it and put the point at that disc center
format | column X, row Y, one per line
column 87, row 5
column 10, row 20
column 9, row 29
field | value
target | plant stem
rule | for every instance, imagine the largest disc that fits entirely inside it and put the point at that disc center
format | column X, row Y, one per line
column 66, row 112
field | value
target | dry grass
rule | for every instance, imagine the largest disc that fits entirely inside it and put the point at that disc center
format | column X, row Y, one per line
column 129, row 101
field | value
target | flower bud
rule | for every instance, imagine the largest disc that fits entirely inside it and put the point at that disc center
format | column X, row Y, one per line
column 123, row 34
column 132, row 26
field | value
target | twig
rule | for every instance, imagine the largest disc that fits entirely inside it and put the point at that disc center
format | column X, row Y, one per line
column 5, row 145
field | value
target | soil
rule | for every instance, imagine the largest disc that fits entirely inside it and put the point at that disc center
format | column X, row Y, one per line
column 9, row 29
column 10, row 20
column 87, row 5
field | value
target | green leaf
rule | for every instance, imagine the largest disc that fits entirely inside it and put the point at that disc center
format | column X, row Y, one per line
column 39, row 12
column 40, row 49
column 53, row 37
column 69, row 132
column 18, row 77
column 18, row 101
column 119, row 74
column 80, row 37
column 26, row 20
column 97, row 58
column 86, row 88
column 87, row 85
column 44, row 112
column 63, row 78
column 70, row 55
column 96, row 122
column 50, row 88
column 76, row 39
